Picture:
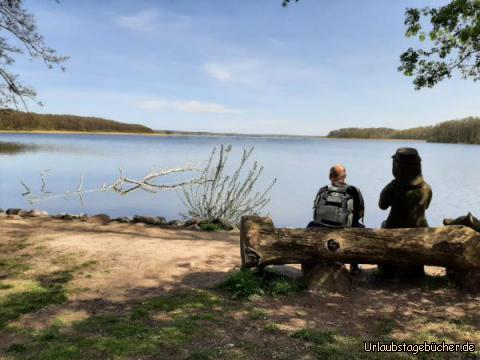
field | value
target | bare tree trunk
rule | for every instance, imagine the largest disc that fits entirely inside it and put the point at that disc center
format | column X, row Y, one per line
column 454, row 247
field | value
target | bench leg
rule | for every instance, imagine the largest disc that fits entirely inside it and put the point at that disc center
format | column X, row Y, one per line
column 466, row 280
column 327, row 276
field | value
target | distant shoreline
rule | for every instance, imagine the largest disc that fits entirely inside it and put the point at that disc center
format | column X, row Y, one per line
column 199, row 134
column 63, row 132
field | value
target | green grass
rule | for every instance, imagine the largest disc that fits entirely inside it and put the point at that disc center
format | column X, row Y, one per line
column 5, row 286
column 330, row 345
column 138, row 333
column 248, row 283
column 315, row 336
column 16, row 304
column 13, row 266
column 206, row 354
column 383, row 328
column 271, row 327
column 211, row 227
column 257, row 314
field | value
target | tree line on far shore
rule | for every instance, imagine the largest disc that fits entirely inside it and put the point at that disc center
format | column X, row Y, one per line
column 27, row 121
column 466, row 131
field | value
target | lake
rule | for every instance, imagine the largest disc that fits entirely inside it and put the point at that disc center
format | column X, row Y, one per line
column 301, row 166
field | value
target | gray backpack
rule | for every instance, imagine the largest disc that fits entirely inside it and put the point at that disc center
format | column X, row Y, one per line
column 333, row 207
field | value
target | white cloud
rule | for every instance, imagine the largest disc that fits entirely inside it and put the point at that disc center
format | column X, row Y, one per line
column 150, row 20
column 142, row 21
column 268, row 74
column 191, row 106
column 246, row 72
column 218, row 72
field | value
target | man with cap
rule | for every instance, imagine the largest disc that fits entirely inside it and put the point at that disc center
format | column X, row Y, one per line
column 408, row 196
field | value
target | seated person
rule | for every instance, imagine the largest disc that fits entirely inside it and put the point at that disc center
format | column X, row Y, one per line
column 408, row 196
column 338, row 205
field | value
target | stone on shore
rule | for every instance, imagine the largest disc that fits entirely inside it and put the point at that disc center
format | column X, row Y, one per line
column 102, row 219
column 123, row 219
column 194, row 227
column 150, row 220
column 176, row 223
column 192, row 221
column 36, row 213
column 63, row 216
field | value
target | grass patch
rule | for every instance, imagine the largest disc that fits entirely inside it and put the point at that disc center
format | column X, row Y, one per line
column 211, row 227
column 13, row 266
column 16, row 304
column 206, row 354
column 257, row 314
column 249, row 283
column 384, row 327
column 192, row 300
column 135, row 334
column 271, row 328
column 329, row 345
column 46, row 290
column 315, row 336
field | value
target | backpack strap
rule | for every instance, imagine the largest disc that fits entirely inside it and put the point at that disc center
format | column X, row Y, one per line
column 358, row 196
column 317, row 199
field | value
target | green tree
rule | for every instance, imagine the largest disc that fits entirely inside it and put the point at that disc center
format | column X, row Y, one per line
column 453, row 31
column 18, row 35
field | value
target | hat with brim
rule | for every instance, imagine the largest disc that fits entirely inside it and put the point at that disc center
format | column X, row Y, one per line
column 405, row 154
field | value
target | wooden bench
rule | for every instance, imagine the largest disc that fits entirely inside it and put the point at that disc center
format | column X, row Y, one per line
column 322, row 251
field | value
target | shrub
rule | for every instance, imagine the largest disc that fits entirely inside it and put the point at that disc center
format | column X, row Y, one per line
column 226, row 197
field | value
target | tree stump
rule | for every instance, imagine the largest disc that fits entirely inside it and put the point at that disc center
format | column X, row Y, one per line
column 328, row 276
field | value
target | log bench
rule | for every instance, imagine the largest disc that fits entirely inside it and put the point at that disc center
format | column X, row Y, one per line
column 323, row 251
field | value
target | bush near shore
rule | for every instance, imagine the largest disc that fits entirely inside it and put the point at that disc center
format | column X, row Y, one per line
column 465, row 131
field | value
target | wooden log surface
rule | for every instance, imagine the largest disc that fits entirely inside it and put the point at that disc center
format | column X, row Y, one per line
column 261, row 244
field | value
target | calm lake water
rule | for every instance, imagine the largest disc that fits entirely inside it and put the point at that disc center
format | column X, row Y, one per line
column 300, row 165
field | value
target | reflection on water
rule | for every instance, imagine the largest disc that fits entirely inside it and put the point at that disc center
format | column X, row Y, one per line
column 12, row 148
column 300, row 165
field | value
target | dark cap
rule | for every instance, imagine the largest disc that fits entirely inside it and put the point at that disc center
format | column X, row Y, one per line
column 405, row 154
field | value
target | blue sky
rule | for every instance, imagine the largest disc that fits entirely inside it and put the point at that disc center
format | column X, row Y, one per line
column 247, row 66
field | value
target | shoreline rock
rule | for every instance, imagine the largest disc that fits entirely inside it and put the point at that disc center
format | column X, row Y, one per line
column 103, row 219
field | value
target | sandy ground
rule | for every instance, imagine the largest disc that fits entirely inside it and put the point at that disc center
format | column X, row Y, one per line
column 130, row 256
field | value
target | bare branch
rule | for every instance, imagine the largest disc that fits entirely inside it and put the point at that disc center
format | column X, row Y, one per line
column 122, row 185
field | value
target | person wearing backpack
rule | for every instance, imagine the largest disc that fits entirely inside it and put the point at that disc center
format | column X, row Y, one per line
column 338, row 205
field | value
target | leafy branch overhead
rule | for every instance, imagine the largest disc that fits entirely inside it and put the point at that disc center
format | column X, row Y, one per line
column 286, row 2
column 21, row 37
column 454, row 33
